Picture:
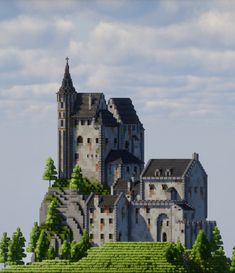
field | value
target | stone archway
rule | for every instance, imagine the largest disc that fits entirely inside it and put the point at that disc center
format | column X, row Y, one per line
column 162, row 227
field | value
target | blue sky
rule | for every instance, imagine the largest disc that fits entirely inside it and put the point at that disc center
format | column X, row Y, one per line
column 175, row 59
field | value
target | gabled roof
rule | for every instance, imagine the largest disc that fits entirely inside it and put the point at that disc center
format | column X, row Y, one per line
column 177, row 167
column 122, row 156
column 125, row 110
column 81, row 107
column 107, row 200
column 104, row 117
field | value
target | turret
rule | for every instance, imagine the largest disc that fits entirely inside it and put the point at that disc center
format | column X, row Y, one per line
column 65, row 102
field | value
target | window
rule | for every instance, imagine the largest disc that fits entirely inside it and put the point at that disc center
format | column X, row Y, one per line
column 91, row 210
column 110, row 210
column 110, row 236
column 106, row 141
column 102, row 220
column 133, row 127
column 127, row 145
column 115, row 140
column 151, row 187
column 82, row 122
column 91, row 236
column 135, row 169
column 101, row 210
column 168, row 172
column 167, row 223
column 88, row 122
column 137, row 210
column 97, row 140
column 158, row 172
column 91, row 221
column 79, row 139
column 87, row 155
column 128, row 169
column 61, row 105
column 110, row 220
column 92, row 155
column 59, row 115
column 76, row 156
column 148, row 221
column 61, row 123
column 88, row 140
column 147, row 210
column 101, row 236
column 195, row 189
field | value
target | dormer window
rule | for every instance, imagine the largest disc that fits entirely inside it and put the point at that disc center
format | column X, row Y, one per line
column 158, row 172
column 168, row 172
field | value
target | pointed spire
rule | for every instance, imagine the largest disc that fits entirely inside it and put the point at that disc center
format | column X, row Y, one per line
column 67, row 83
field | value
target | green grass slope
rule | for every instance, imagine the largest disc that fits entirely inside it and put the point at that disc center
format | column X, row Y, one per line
column 118, row 257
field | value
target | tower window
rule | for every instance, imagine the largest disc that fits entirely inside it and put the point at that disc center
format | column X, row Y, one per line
column 97, row 140
column 115, row 140
column 88, row 140
column 148, row 221
column 106, row 141
column 110, row 236
column 128, row 169
column 102, row 220
column 91, row 236
column 82, row 122
column 127, row 145
column 76, row 156
column 61, row 123
column 61, row 105
column 79, row 139
column 135, row 169
column 110, row 220
column 147, row 210
column 101, row 236
column 88, row 122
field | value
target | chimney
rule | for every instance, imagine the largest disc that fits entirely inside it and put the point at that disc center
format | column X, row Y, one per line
column 196, row 156
column 89, row 101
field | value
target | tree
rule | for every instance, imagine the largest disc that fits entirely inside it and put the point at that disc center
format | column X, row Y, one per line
column 76, row 181
column 200, row 254
column 65, row 250
column 232, row 267
column 34, row 236
column 79, row 249
column 174, row 253
column 51, row 253
column 16, row 248
column 49, row 171
column 4, row 244
column 42, row 246
column 219, row 261
column 52, row 218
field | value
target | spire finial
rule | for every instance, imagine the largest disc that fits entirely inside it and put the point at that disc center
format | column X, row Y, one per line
column 67, row 59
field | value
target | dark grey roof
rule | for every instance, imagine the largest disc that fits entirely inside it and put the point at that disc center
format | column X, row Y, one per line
column 122, row 156
column 107, row 200
column 67, row 83
column 106, row 118
column 176, row 166
column 121, row 185
column 126, row 110
column 185, row 206
column 81, row 106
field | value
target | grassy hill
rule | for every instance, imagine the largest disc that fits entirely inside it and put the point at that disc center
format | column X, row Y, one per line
column 118, row 257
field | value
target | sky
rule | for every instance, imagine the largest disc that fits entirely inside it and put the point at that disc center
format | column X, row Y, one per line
column 174, row 59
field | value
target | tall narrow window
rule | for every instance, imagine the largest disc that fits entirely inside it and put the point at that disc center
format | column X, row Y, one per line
column 88, row 140
column 79, row 139
column 97, row 140
column 61, row 105
column 62, row 123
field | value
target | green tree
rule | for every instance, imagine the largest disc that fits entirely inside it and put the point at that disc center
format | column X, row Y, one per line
column 76, row 181
column 16, row 248
column 232, row 267
column 4, row 244
column 34, row 236
column 51, row 253
column 52, row 218
column 79, row 249
column 65, row 250
column 42, row 246
column 219, row 262
column 174, row 253
column 49, row 171
column 200, row 255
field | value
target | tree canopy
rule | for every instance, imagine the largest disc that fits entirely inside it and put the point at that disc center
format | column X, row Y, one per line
column 4, row 244
column 49, row 171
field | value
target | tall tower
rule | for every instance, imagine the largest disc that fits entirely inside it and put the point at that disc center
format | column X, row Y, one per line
column 65, row 103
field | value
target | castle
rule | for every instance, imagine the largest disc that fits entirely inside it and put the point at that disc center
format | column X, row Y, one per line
column 164, row 200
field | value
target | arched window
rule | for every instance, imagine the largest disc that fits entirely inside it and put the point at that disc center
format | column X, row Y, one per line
column 79, row 139
column 173, row 194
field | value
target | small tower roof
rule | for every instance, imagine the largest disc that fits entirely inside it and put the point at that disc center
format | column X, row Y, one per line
column 67, row 83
